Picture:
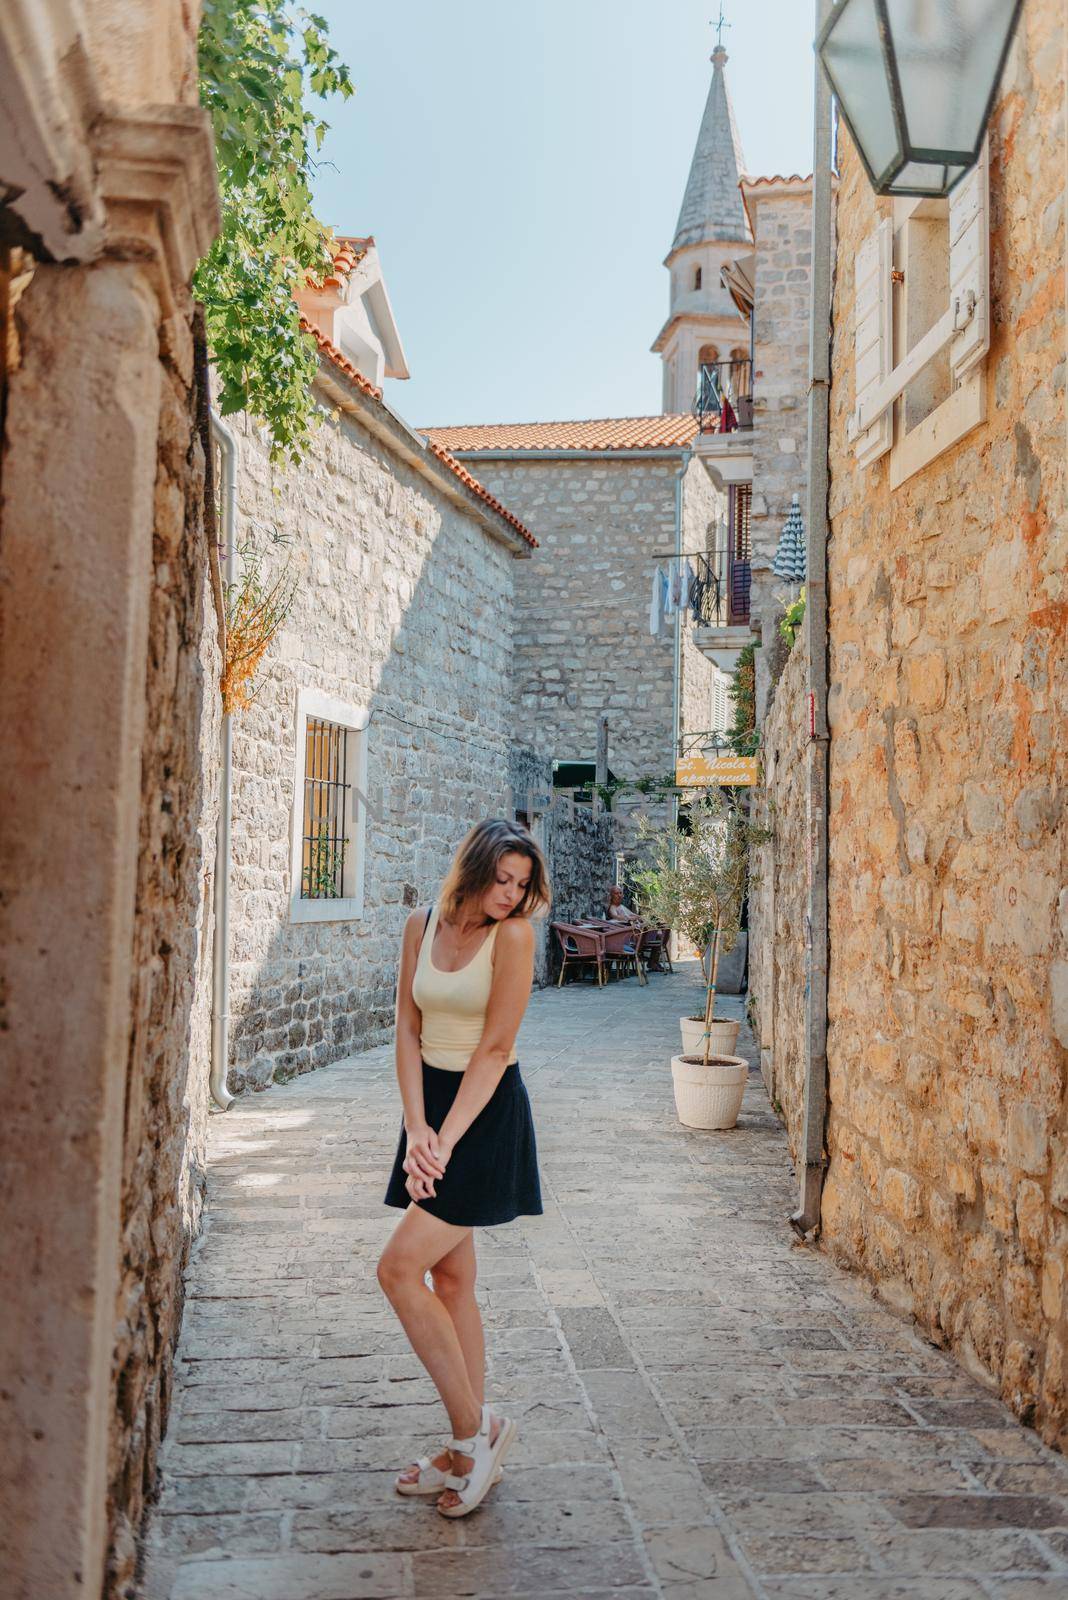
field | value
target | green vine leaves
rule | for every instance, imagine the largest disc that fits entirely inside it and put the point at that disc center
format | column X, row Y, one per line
column 743, row 736
column 258, row 60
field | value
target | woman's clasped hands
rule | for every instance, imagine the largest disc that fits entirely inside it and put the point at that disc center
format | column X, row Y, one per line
column 425, row 1162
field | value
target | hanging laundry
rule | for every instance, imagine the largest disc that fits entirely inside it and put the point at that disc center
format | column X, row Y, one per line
column 656, row 601
column 689, row 589
column 677, row 591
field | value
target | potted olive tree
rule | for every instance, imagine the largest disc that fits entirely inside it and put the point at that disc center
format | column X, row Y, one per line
column 695, row 883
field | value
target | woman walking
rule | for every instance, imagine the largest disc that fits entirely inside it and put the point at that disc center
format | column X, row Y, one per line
column 467, row 1155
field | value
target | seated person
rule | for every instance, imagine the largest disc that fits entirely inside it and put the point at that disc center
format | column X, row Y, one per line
column 617, row 911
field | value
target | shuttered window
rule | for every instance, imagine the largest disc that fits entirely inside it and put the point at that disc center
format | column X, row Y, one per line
column 741, row 550
column 921, row 326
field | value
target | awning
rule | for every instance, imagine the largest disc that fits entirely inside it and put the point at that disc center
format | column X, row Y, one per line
column 737, row 278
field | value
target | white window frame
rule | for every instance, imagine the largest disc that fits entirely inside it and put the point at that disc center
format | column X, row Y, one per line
column 884, row 366
column 963, row 409
column 312, row 703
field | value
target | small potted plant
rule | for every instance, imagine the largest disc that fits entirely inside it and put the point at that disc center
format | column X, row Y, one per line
column 696, row 883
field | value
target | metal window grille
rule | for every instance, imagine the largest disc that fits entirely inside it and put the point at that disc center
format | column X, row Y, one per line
column 326, row 809
column 706, row 592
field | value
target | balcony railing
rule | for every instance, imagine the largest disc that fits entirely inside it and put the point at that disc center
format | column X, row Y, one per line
column 707, row 594
column 720, row 594
column 724, row 399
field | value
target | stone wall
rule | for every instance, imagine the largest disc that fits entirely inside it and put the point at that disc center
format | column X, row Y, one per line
column 782, row 222
column 578, row 845
column 778, row 898
column 403, row 608
column 170, row 1042
column 948, row 1177
column 583, row 644
column 108, row 722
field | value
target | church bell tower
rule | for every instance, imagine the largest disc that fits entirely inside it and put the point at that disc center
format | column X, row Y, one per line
column 703, row 327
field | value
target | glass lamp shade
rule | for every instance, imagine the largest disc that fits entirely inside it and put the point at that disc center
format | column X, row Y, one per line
column 915, row 82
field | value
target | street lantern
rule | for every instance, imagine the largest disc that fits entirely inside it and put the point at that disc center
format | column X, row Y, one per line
column 915, row 82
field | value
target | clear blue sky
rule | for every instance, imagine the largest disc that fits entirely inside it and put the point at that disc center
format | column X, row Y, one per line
column 521, row 167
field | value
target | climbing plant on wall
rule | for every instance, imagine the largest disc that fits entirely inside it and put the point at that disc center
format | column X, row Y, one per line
column 258, row 59
column 742, row 736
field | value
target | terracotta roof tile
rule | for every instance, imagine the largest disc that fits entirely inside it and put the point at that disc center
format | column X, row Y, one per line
column 330, row 352
column 349, row 253
column 608, row 433
column 776, row 177
column 480, row 489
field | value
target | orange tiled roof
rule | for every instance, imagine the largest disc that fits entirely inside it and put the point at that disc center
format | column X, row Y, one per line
column 480, row 489
column 331, row 353
column 608, row 433
column 777, row 177
column 347, row 257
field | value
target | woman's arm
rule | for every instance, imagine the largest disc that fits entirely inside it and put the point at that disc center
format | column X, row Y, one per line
column 513, row 976
column 421, row 1161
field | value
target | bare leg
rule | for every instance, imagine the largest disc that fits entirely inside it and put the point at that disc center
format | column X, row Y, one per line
column 419, row 1243
column 454, row 1284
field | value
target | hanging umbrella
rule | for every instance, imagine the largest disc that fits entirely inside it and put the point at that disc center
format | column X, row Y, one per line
column 789, row 562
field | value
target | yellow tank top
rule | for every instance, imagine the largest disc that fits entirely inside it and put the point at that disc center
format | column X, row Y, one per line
column 452, row 1004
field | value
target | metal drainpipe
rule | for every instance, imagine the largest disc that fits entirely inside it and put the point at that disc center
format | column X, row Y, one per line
column 813, row 1160
column 220, row 999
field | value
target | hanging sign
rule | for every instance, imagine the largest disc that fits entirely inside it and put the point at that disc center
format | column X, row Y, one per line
column 698, row 772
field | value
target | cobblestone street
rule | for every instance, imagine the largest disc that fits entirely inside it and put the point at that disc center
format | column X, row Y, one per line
column 707, row 1409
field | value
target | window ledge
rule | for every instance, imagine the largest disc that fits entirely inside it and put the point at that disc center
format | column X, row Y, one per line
column 350, row 910
column 964, row 410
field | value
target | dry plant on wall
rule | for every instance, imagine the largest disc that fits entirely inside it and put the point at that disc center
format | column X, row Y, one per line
column 257, row 605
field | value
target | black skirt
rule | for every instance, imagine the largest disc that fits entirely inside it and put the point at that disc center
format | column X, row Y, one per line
column 492, row 1176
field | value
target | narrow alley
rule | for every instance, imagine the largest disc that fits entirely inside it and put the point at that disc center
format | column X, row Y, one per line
column 707, row 1409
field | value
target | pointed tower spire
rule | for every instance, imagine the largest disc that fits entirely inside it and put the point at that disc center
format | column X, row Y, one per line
column 712, row 207
column 703, row 328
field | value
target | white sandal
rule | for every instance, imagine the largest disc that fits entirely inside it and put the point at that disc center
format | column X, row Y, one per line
column 431, row 1479
column 486, row 1458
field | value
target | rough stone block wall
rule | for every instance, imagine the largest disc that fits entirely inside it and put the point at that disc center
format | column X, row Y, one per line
column 777, row 899
column 582, row 643
column 579, row 849
column 948, row 1139
column 783, row 240
column 166, row 1108
column 110, row 721
column 403, row 607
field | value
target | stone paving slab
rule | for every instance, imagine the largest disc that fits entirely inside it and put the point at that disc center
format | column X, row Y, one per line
column 708, row 1410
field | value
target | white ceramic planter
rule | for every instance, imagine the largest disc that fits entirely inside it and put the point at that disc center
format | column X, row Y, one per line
column 709, row 1097
column 723, row 1039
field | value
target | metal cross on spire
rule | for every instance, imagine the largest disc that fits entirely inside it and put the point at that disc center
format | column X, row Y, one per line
column 719, row 24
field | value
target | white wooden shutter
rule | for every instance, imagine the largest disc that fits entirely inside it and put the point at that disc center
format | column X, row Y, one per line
column 969, row 268
column 872, row 336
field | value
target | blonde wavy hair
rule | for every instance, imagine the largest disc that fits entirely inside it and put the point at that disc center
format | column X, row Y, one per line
column 474, row 868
